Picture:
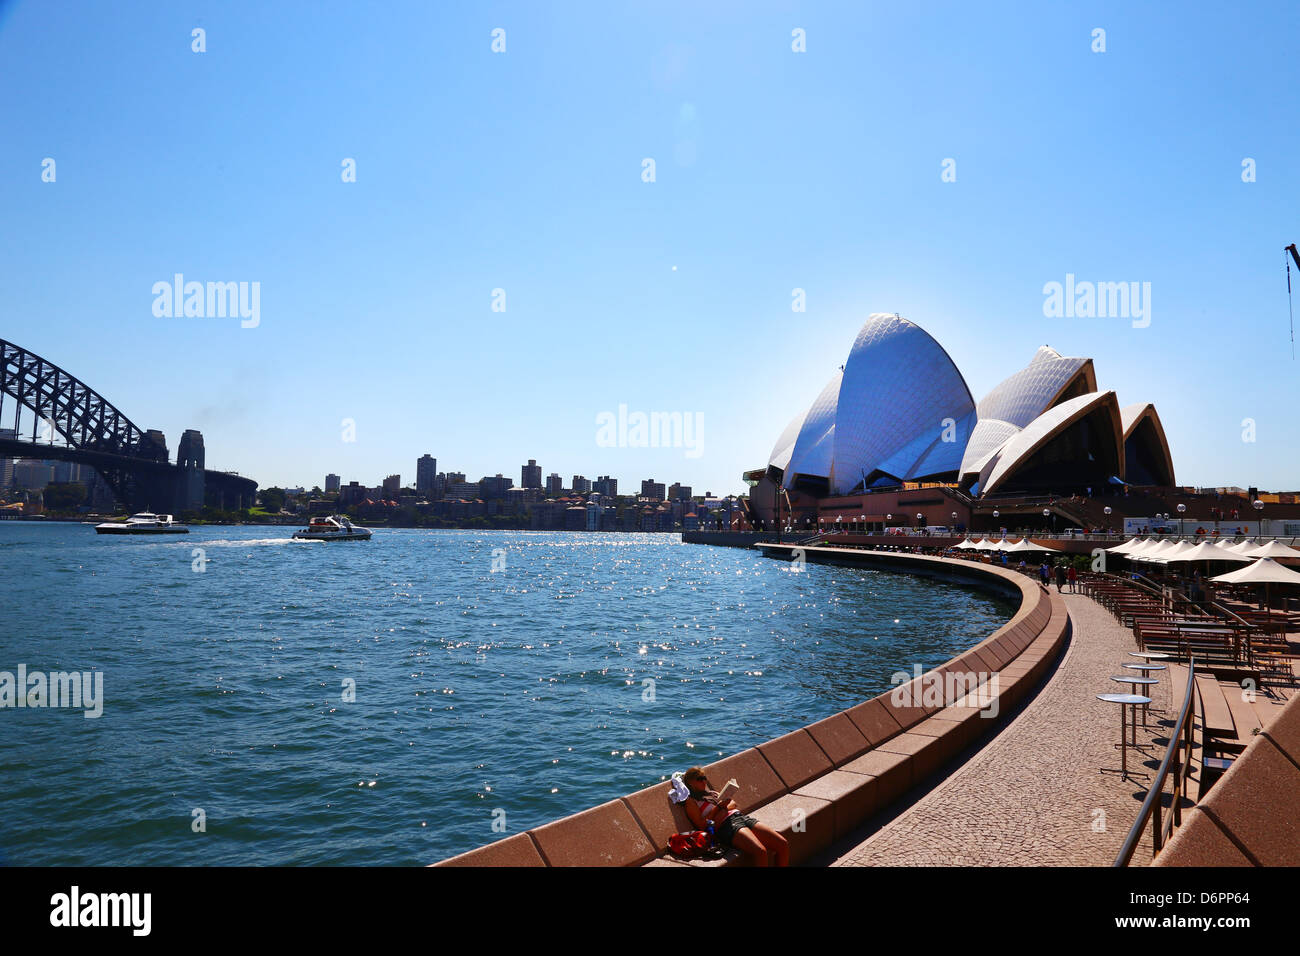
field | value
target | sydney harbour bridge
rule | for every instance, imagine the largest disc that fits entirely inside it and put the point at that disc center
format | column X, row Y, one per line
column 132, row 461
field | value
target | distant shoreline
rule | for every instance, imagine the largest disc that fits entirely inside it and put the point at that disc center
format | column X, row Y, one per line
column 296, row 523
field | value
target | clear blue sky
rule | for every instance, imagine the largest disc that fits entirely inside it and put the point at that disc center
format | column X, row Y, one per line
column 522, row 171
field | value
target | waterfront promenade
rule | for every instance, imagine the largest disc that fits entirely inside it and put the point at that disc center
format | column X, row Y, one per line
column 1034, row 794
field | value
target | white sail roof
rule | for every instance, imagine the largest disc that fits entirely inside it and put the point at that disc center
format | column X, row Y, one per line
column 1019, row 399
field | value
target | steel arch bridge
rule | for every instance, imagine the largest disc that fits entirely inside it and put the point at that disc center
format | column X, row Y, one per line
column 84, row 417
column 97, row 433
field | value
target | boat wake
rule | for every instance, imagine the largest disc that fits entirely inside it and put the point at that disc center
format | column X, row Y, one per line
column 250, row 542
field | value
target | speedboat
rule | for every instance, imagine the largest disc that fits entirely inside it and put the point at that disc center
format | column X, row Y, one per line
column 333, row 528
column 144, row 522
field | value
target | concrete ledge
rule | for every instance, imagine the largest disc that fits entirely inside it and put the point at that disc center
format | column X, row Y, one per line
column 518, row 850
column 659, row 817
column 1249, row 818
column 874, row 721
column 796, row 758
column 893, row 772
column 853, row 796
column 839, row 738
column 807, row 822
column 758, row 782
column 1200, row 842
column 1256, row 810
column 819, row 783
column 606, row 835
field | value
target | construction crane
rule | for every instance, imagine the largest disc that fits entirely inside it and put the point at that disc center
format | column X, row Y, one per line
column 1296, row 256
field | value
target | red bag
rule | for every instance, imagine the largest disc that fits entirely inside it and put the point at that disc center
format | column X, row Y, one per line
column 688, row 845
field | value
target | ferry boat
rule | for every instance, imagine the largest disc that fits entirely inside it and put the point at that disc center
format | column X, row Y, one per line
column 333, row 528
column 144, row 522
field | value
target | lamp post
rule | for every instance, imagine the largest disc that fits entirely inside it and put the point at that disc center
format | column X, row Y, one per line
column 1182, row 508
column 1259, row 510
column 954, row 522
column 862, row 524
column 1048, row 512
column 1106, row 512
column 919, row 518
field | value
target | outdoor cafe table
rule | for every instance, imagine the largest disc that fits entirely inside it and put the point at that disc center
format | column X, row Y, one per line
column 1134, row 682
column 1124, row 700
column 1145, row 668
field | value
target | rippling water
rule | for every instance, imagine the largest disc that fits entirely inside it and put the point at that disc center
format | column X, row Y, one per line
column 521, row 689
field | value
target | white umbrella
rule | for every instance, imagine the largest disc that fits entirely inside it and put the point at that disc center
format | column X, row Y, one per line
column 985, row 545
column 1242, row 546
column 1208, row 551
column 1127, row 547
column 967, row 545
column 1154, row 552
column 1146, row 544
column 1272, row 550
column 1024, row 544
column 1182, row 551
column 1265, row 571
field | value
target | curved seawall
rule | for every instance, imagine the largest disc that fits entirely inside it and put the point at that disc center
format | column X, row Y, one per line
column 817, row 784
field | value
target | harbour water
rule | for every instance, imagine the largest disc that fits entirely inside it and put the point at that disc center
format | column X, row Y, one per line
column 500, row 680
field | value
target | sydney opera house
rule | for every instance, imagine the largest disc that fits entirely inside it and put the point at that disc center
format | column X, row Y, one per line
column 897, row 427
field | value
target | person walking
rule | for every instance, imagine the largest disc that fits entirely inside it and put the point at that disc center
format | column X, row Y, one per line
column 1072, row 577
column 1060, row 579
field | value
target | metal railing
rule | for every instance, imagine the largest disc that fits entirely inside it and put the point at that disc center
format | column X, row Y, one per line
column 1180, row 738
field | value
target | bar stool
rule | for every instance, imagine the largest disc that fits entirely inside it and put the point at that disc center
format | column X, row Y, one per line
column 1124, row 700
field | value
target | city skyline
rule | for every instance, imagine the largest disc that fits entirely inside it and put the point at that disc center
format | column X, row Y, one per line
column 593, row 484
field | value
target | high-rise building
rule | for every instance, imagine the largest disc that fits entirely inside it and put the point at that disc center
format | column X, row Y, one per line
column 32, row 474
column 679, row 492
column 463, row 490
column 332, row 483
column 531, row 475
column 605, row 485
column 652, row 489
column 66, row 472
column 554, row 484
column 426, row 473
column 581, row 485
column 392, row 486
column 495, row 487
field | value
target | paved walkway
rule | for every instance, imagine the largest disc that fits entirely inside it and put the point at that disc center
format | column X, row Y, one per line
column 1035, row 795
